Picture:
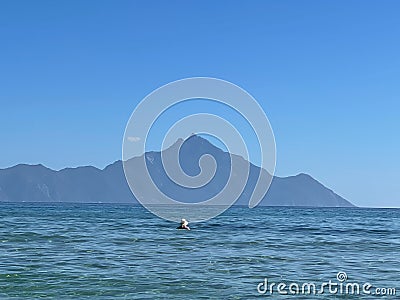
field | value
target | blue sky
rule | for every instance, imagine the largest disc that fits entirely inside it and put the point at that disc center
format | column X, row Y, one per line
column 326, row 73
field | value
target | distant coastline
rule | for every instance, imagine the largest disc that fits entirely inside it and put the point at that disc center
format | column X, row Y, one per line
column 37, row 183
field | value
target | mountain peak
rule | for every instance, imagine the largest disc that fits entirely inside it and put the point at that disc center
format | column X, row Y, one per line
column 86, row 184
column 194, row 142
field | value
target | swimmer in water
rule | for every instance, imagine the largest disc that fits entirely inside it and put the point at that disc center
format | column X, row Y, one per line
column 184, row 225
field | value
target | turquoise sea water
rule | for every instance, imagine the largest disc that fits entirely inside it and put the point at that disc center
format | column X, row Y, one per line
column 81, row 251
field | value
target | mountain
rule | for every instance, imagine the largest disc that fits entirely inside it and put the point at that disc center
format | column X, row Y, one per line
column 36, row 183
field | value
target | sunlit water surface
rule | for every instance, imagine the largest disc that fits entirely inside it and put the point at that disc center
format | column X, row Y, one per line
column 80, row 251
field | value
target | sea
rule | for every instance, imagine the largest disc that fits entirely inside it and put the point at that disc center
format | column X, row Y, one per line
column 104, row 251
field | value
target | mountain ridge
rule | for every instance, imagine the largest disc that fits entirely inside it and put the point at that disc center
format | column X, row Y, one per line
column 89, row 184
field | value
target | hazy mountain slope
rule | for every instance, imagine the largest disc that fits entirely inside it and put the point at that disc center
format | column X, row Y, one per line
column 36, row 183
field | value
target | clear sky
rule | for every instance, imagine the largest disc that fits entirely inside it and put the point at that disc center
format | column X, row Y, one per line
column 327, row 74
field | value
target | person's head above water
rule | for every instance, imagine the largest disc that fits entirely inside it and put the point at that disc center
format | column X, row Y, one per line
column 184, row 224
